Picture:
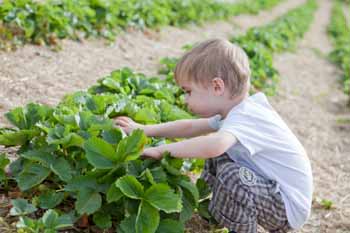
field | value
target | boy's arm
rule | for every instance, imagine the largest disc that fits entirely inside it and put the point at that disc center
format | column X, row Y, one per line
column 174, row 129
column 180, row 128
column 208, row 146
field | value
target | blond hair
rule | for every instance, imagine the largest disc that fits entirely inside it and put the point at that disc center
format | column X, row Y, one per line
column 216, row 58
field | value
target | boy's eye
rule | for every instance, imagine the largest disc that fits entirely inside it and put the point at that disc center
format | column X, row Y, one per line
column 188, row 92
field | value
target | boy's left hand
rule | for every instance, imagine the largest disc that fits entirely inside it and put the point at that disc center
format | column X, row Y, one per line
column 152, row 152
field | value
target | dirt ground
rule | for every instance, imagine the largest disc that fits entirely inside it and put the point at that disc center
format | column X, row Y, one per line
column 309, row 97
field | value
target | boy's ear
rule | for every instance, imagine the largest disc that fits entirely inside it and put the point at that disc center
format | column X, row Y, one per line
column 218, row 86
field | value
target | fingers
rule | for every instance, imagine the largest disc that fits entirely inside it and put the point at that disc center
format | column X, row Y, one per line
column 126, row 124
column 124, row 118
column 123, row 121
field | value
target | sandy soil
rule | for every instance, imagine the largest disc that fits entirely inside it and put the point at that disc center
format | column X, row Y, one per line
column 309, row 98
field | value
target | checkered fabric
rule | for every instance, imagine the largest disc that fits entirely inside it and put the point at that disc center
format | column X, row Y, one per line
column 242, row 199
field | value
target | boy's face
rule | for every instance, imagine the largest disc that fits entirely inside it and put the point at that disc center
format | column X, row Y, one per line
column 200, row 100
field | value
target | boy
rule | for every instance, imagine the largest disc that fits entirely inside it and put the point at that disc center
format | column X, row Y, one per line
column 258, row 170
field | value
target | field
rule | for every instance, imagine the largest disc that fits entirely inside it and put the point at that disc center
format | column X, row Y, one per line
column 306, row 75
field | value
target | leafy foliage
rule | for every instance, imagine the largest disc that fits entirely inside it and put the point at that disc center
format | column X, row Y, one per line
column 75, row 156
column 45, row 22
column 50, row 222
column 339, row 31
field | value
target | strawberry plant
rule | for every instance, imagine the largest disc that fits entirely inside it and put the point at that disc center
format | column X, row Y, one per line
column 51, row 221
column 339, row 31
column 72, row 160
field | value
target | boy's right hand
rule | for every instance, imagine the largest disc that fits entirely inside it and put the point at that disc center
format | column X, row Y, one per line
column 127, row 124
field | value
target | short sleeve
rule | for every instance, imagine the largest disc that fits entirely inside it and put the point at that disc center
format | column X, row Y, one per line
column 215, row 122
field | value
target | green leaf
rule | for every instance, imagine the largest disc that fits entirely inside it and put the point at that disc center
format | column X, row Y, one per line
column 191, row 191
column 33, row 174
column 96, row 104
column 50, row 199
column 64, row 221
column 130, row 187
column 203, row 209
column 112, row 84
column 147, row 116
column 170, row 226
column 147, row 219
column 134, row 168
column 187, row 210
column 165, row 94
column 171, row 112
column 42, row 155
column 50, row 219
column 82, row 182
column 148, row 175
column 102, row 220
column 69, row 140
column 171, row 165
column 17, row 117
column 16, row 138
column 112, row 136
column 114, row 194
column 88, row 202
column 203, row 188
column 163, row 197
column 90, row 122
column 25, row 222
column 131, row 147
column 35, row 113
column 27, row 117
column 159, row 175
column 327, row 204
column 100, row 153
column 53, row 221
column 4, row 161
column 63, row 169
column 21, row 207
column 127, row 225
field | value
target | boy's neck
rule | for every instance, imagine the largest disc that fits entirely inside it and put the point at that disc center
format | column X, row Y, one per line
column 232, row 103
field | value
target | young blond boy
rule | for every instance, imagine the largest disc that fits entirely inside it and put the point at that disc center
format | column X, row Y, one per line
column 258, row 170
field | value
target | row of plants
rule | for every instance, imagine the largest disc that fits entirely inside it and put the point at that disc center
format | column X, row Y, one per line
column 75, row 164
column 260, row 43
column 339, row 32
column 45, row 22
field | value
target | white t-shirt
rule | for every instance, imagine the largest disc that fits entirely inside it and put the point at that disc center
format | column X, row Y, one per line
column 267, row 146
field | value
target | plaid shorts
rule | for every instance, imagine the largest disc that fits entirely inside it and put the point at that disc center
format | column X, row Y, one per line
column 242, row 199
